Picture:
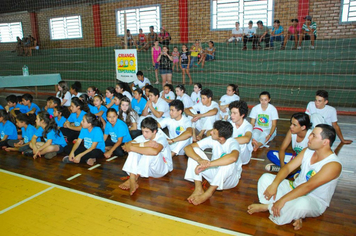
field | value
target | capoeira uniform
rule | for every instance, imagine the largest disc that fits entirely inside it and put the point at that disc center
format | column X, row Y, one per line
column 312, row 204
column 176, row 128
column 246, row 149
column 297, row 147
column 225, row 100
column 187, row 101
column 196, row 97
column 169, row 96
column 205, row 123
column 327, row 115
column 162, row 106
column 263, row 124
column 225, row 177
column 150, row 166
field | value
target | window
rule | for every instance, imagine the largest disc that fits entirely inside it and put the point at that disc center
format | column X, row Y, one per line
column 224, row 13
column 348, row 11
column 9, row 32
column 66, row 27
column 139, row 18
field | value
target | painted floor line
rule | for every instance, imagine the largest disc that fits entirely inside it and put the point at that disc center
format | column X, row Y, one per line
column 226, row 231
column 112, row 158
column 74, row 176
column 348, row 171
column 93, row 167
column 257, row 159
column 25, row 200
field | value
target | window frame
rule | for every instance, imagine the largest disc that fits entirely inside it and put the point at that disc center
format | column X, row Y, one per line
column 267, row 22
column 135, row 8
column 66, row 16
column 21, row 27
column 343, row 4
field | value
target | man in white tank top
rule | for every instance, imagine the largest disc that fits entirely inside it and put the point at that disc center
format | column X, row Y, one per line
column 310, row 194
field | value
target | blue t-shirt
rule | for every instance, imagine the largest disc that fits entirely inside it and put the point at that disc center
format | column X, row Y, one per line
column 50, row 111
column 57, row 139
column 33, row 105
column 28, row 133
column 96, row 135
column 1, row 108
column 39, row 132
column 60, row 122
column 278, row 31
column 22, row 108
column 108, row 100
column 119, row 130
column 116, row 107
column 8, row 129
column 76, row 120
column 138, row 107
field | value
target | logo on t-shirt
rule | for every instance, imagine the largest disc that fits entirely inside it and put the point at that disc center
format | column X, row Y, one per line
column 156, row 108
column 2, row 134
column 310, row 174
column 179, row 130
column 263, row 120
column 87, row 143
column 298, row 149
column 197, row 100
column 164, row 160
column 113, row 137
column 223, row 154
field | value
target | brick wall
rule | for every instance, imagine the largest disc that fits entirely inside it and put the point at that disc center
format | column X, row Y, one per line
column 24, row 18
column 85, row 11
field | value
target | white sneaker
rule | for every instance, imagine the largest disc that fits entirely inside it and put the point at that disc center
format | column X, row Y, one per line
column 312, row 47
column 299, row 48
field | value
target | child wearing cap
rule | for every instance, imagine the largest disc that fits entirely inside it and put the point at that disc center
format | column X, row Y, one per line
column 308, row 32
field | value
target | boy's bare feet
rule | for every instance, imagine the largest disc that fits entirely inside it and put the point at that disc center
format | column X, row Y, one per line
column 91, row 161
column 198, row 199
column 133, row 185
column 253, row 208
column 297, row 224
column 196, row 192
column 125, row 185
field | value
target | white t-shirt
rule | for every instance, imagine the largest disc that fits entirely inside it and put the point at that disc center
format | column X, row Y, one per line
column 226, row 99
column 249, row 32
column 328, row 112
column 235, row 31
column 242, row 130
column 176, row 127
column 298, row 147
column 204, row 109
column 169, row 96
column 127, row 94
column 196, row 98
column 140, row 83
column 187, row 101
column 264, row 118
column 161, row 106
column 67, row 97
column 218, row 149
column 78, row 95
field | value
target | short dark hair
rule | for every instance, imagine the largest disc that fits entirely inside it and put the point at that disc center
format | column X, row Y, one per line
column 224, row 128
column 11, row 98
column 207, row 92
column 265, row 93
column 296, row 20
column 77, row 86
column 303, row 119
column 149, row 87
column 27, row 97
column 149, row 123
column 181, row 87
column 93, row 120
column 139, row 73
column 322, row 93
column 328, row 132
column 177, row 104
column 276, row 21
column 151, row 27
column 56, row 101
column 155, row 91
column 250, row 22
column 199, row 85
column 241, row 105
column 259, row 22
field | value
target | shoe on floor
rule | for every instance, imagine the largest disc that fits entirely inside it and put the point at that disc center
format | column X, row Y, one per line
column 272, row 167
column 312, row 47
column 66, row 160
column 282, row 48
column 50, row 155
column 244, row 48
column 299, row 48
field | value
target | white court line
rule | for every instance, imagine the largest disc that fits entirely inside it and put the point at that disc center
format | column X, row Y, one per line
column 93, row 167
column 112, row 158
column 25, row 200
column 73, row 177
column 174, row 218
column 348, row 171
column 337, row 122
column 257, row 159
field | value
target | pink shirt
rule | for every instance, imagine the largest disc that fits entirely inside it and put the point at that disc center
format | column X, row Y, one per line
column 291, row 29
column 156, row 54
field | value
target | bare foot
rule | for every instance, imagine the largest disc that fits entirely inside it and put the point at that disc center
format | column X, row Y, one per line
column 133, row 185
column 91, row 161
column 297, row 224
column 253, row 208
column 125, row 185
column 198, row 199
column 4, row 147
column 196, row 192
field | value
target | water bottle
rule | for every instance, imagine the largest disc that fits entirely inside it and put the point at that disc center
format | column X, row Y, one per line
column 25, row 71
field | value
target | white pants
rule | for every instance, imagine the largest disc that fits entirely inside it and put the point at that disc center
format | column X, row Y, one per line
column 146, row 166
column 238, row 39
column 260, row 136
column 299, row 208
column 205, row 123
column 225, row 177
column 245, row 154
column 178, row 147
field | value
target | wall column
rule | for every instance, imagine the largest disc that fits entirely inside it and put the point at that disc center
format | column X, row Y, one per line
column 97, row 26
column 34, row 26
column 183, row 21
column 303, row 10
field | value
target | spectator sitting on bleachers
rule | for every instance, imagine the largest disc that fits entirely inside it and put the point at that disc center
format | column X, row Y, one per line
column 292, row 34
column 277, row 33
column 308, row 32
column 236, row 33
column 249, row 35
column 262, row 34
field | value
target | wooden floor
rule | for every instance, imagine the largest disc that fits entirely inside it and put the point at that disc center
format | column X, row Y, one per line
column 226, row 209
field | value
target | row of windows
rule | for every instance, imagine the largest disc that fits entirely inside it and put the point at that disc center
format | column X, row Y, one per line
column 224, row 14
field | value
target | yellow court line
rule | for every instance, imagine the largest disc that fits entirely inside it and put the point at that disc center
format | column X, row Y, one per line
column 71, row 212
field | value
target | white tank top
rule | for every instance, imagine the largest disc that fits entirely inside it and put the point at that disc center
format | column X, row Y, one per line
column 298, row 147
column 324, row 192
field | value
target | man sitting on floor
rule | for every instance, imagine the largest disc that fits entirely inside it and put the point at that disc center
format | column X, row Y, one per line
column 311, row 192
column 224, row 169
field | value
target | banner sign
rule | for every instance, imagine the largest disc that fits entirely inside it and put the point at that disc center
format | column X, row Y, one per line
column 126, row 64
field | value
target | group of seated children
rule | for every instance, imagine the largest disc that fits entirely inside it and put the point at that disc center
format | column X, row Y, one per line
column 93, row 127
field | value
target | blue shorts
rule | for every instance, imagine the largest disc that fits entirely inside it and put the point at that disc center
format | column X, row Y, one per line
column 156, row 65
column 184, row 66
column 165, row 71
column 209, row 57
